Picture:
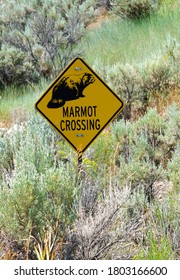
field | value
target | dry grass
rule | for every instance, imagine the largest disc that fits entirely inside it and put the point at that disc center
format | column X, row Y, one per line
column 162, row 102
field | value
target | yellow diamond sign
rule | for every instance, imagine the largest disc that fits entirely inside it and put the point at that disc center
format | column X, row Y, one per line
column 79, row 105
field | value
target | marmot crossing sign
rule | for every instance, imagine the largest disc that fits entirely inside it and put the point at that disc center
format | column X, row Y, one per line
column 79, row 105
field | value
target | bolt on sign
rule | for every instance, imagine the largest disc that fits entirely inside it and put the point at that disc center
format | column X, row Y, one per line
column 79, row 105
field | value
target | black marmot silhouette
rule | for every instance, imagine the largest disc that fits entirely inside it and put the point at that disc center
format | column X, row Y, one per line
column 70, row 88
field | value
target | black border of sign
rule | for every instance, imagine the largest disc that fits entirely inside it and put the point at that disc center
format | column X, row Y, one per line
column 55, row 81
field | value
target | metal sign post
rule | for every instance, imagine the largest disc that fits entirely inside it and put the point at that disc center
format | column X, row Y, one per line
column 79, row 164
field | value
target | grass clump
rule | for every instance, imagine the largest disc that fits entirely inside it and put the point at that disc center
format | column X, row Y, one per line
column 157, row 251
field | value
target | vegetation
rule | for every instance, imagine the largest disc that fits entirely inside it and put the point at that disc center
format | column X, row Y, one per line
column 40, row 38
column 151, row 36
column 134, row 9
column 125, row 201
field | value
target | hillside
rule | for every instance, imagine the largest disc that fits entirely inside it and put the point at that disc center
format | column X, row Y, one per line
column 123, row 201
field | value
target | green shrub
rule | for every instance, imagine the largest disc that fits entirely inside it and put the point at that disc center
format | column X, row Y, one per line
column 134, row 9
column 142, row 85
column 36, row 189
column 45, row 36
column 15, row 68
column 104, row 4
column 6, row 159
column 160, row 78
column 140, row 155
column 127, row 82
column 173, row 169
